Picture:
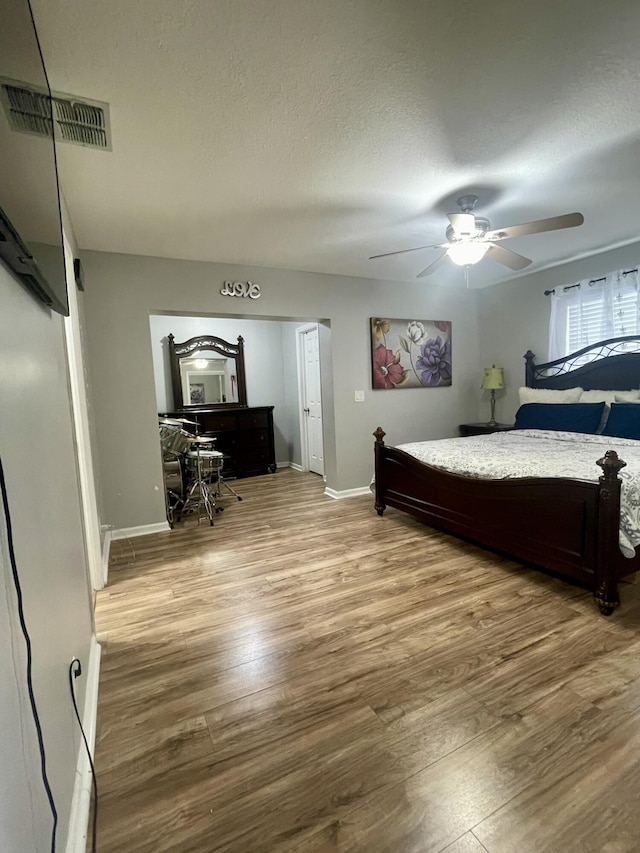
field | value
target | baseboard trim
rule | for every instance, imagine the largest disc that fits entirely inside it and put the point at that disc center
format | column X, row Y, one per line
column 347, row 493
column 81, row 802
column 295, row 466
column 141, row 530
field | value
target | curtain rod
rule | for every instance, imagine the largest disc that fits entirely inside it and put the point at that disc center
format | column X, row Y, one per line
column 591, row 282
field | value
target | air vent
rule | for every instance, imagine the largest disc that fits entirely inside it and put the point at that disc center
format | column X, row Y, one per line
column 77, row 120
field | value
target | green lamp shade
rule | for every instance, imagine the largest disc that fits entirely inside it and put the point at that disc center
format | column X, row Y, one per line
column 493, row 378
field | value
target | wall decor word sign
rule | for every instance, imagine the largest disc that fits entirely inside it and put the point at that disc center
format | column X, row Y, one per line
column 241, row 288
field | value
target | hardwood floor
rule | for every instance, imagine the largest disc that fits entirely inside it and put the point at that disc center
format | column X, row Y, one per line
column 307, row 677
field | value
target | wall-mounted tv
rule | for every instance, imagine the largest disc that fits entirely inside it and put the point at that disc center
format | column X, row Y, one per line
column 31, row 244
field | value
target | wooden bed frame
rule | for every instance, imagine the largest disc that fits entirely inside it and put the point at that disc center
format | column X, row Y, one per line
column 569, row 527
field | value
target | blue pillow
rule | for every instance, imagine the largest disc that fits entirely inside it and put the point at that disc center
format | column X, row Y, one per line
column 623, row 421
column 564, row 417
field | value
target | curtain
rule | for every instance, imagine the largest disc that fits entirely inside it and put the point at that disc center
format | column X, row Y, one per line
column 592, row 311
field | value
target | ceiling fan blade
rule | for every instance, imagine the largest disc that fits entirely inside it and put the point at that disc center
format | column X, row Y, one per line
column 554, row 223
column 402, row 252
column 463, row 223
column 432, row 267
column 505, row 256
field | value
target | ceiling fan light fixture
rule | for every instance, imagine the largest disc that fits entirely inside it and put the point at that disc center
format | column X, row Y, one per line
column 467, row 253
column 469, row 238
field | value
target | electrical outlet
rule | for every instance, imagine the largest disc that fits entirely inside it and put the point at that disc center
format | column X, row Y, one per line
column 359, row 396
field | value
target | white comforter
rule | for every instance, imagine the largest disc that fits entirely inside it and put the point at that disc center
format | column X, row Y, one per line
column 542, row 453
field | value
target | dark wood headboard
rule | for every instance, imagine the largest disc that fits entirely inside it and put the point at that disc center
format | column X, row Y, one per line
column 612, row 365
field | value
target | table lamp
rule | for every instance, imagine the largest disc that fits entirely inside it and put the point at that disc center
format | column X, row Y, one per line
column 493, row 380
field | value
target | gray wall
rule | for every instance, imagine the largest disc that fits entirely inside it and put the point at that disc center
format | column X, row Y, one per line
column 514, row 317
column 289, row 416
column 37, row 448
column 122, row 291
column 291, row 396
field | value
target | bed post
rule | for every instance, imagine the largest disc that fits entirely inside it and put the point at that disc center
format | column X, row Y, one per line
column 529, row 372
column 379, row 435
column 606, row 587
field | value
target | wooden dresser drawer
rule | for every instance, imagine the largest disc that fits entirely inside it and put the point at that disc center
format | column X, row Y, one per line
column 250, row 438
column 255, row 420
column 217, row 422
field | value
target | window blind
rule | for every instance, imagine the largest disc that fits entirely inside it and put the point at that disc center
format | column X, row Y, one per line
column 594, row 311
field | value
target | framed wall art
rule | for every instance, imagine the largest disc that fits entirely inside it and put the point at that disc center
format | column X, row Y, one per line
column 410, row 353
column 196, row 393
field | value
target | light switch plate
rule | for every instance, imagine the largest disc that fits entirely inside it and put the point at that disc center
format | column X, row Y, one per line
column 359, row 396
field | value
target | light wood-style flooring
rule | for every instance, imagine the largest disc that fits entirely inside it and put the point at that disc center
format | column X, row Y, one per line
column 307, row 677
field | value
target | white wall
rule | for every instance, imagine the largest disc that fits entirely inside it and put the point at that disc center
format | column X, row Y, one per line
column 37, row 449
column 123, row 290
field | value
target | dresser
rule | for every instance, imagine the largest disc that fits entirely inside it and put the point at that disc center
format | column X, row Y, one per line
column 244, row 434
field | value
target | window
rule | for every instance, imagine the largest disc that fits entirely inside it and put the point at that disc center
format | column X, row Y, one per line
column 593, row 311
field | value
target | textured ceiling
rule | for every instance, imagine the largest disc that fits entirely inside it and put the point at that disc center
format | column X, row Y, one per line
column 310, row 134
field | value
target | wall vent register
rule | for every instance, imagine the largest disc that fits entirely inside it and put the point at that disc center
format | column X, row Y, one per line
column 78, row 120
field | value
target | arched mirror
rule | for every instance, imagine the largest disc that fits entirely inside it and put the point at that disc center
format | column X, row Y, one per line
column 207, row 373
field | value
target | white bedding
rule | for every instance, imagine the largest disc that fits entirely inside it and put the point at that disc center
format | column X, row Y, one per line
column 542, row 453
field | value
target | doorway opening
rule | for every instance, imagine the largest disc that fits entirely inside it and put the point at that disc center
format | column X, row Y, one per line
column 273, row 378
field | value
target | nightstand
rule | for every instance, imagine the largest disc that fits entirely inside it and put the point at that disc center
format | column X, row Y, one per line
column 483, row 428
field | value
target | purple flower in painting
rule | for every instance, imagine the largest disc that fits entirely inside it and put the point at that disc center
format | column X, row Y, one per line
column 387, row 371
column 434, row 362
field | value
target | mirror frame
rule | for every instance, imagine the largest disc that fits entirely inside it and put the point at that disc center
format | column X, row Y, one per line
column 186, row 349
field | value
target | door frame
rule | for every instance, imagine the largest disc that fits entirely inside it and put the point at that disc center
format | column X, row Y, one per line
column 303, row 422
column 75, row 365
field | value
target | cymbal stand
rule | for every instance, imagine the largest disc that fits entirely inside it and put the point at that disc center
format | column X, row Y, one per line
column 221, row 483
column 172, row 503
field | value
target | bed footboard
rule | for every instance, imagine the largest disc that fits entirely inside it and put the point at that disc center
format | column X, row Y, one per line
column 566, row 526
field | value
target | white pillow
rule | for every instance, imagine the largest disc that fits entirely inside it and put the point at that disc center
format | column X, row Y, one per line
column 548, row 395
column 610, row 397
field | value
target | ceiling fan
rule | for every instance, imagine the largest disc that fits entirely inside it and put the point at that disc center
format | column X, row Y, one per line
column 469, row 238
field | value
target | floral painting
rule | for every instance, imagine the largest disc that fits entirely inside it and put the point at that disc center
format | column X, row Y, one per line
column 410, row 353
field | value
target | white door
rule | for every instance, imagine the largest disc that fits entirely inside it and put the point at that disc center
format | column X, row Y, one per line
column 312, row 401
